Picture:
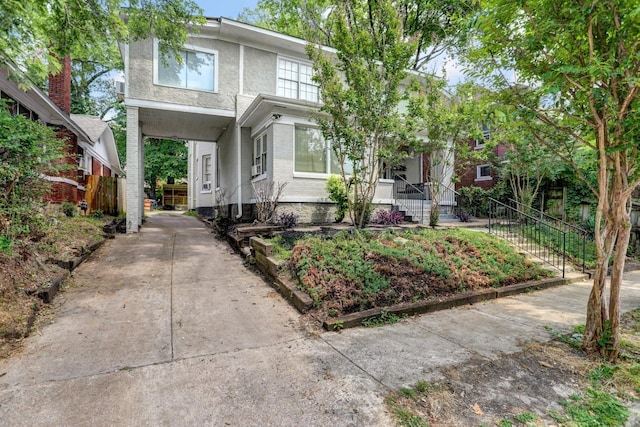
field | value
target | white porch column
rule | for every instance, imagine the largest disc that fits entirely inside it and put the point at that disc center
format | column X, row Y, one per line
column 134, row 171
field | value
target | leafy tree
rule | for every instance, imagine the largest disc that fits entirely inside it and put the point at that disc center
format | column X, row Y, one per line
column 433, row 24
column 449, row 124
column 361, row 90
column 527, row 164
column 28, row 150
column 164, row 158
column 293, row 17
column 577, row 65
column 38, row 32
column 119, row 127
column 92, row 89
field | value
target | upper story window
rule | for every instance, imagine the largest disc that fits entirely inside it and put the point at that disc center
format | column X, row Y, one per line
column 486, row 136
column 15, row 108
column 295, row 80
column 197, row 70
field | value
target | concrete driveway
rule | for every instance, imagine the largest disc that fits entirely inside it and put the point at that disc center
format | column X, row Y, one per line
column 167, row 327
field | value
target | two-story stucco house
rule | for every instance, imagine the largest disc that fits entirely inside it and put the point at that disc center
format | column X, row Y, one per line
column 243, row 96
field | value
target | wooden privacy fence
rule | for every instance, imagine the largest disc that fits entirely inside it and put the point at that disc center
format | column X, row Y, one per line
column 102, row 194
column 175, row 195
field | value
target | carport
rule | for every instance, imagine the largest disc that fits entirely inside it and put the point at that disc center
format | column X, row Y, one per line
column 164, row 120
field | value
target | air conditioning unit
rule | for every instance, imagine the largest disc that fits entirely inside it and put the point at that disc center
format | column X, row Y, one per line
column 120, row 88
column 206, row 186
column 255, row 170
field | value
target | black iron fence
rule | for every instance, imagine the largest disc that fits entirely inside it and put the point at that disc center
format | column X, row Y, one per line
column 529, row 233
column 576, row 237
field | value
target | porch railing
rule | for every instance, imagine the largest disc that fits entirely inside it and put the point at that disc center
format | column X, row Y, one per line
column 449, row 200
column 576, row 236
column 529, row 233
column 410, row 197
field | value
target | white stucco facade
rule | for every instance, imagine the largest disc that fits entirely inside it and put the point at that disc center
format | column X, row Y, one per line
column 261, row 89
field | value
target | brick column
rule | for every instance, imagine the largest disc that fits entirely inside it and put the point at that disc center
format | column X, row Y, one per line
column 134, row 171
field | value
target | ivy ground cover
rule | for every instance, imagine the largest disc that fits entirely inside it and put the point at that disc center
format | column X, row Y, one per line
column 351, row 272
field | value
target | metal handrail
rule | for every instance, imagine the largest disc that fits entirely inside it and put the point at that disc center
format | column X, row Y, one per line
column 577, row 235
column 549, row 242
column 523, row 207
column 449, row 199
column 413, row 206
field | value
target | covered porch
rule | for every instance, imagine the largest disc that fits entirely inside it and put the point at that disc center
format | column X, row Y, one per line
column 421, row 182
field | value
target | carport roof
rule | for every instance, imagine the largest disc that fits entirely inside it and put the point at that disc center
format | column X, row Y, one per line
column 172, row 121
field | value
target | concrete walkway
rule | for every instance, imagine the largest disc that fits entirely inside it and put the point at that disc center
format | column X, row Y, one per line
column 167, row 327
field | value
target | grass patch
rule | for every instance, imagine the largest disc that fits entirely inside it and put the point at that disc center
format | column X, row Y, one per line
column 6, row 245
column 191, row 213
column 282, row 247
column 526, row 417
column 385, row 318
column 351, row 272
column 595, row 408
column 420, row 405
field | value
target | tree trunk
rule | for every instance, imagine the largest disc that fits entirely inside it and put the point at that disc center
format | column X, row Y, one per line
column 603, row 321
column 596, row 311
column 622, row 208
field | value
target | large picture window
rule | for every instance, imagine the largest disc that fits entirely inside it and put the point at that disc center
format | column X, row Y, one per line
column 295, row 80
column 313, row 154
column 197, row 70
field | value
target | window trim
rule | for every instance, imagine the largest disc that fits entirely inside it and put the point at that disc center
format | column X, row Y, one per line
column 204, row 173
column 486, row 136
column 190, row 48
column 217, row 166
column 329, row 152
column 480, row 177
column 263, row 155
column 299, row 62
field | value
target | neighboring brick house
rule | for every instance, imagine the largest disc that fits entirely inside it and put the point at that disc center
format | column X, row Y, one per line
column 90, row 146
column 480, row 173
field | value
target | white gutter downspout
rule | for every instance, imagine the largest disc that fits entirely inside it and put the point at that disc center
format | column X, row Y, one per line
column 238, row 128
column 239, row 169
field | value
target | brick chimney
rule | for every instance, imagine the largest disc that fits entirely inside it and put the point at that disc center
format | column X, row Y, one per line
column 60, row 86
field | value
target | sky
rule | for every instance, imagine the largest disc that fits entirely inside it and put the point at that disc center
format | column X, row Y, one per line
column 225, row 8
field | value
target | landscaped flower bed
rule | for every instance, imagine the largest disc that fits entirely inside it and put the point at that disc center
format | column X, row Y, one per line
column 352, row 272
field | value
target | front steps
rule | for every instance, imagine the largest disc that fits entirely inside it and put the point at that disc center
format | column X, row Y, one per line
column 409, row 216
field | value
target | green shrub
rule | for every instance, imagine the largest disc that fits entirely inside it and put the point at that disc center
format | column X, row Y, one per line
column 69, row 209
column 98, row 213
column 338, row 194
column 28, row 151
